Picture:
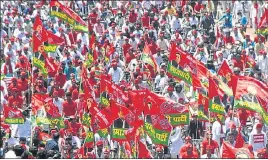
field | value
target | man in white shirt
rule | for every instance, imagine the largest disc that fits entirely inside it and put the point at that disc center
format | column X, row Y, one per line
column 176, row 142
column 231, row 119
column 161, row 80
column 217, row 131
column 21, row 130
column 58, row 101
column 263, row 61
column 98, row 28
column 84, row 38
column 175, row 23
column 158, row 57
column 162, row 43
column 116, row 73
column 257, row 138
column 171, row 95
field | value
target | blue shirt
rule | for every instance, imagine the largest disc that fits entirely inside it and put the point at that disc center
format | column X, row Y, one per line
column 243, row 21
column 227, row 23
column 68, row 71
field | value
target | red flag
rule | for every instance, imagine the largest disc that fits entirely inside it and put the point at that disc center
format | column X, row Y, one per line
column 10, row 112
column 54, row 39
column 225, row 71
column 229, row 152
column 264, row 19
column 68, row 11
column 250, row 85
column 250, row 62
column 51, row 65
column 92, row 41
column 173, row 51
column 214, row 89
column 144, row 153
column 239, row 143
column 203, row 100
column 38, row 102
column 44, row 136
column 39, row 34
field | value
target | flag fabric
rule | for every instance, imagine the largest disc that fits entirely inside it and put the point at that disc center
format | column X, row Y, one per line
column 225, row 71
column 54, row 39
column 39, row 34
column 203, row 100
column 239, row 142
column 250, row 62
column 13, row 116
column 263, row 24
column 214, row 89
column 143, row 151
column 230, row 152
column 248, row 85
column 44, row 136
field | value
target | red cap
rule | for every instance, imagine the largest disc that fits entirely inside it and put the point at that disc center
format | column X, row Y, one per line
column 259, row 125
column 22, row 73
column 114, row 64
column 228, row 10
column 188, row 138
column 99, row 143
column 170, row 89
column 15, row 89
column 55, row 93
column 13, row 79
column 232, row 125
column 162, row 70
column 12, row 39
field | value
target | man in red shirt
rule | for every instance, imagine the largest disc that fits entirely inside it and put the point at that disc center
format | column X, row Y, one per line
column 15, row 84
column 145, row 19
column 76, row 127
column 228, row 38
column 238, row 62
column 126, row 47
column 60, row 77
column 188, row 140
column 15, row 100
column 189, row 152
column 23, row 81
column 132, row 16
column 92, row 17
column 243, row 116
column 208, row 142
column 69, row 106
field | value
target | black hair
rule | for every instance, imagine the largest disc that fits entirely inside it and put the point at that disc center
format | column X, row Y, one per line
column 68, row 94
column 33, row 150
column 18, row 149
column 25, row 155
column 41, row 154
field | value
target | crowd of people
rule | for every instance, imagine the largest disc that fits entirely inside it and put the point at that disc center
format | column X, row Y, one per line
column 140, row 36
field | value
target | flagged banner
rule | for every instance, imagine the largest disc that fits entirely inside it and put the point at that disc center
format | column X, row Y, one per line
column 86, row 120
column 13, row 116
column 69, row 16
column 216, row 108
column 158, row 136
column 229, row 152
column 41, row 65
column 89, row 137
column 178, row 119
column 225, row 71
column 103, row 133
column 181, row 74
column 59, row 122
column 118, row 134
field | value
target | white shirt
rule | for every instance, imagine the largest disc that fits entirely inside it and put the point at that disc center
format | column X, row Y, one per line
column 235, row 120
column 22, row 130
column 84, row 39
column 176, row 143
column 216, row 132
column 161, row 82
column 67, row 85
column 117, row 75
column 257, row 144
column 163, row 44
column 158, row 59
column 175, row 23
column 173, row 97
column 263, row 64
column 58, row 103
